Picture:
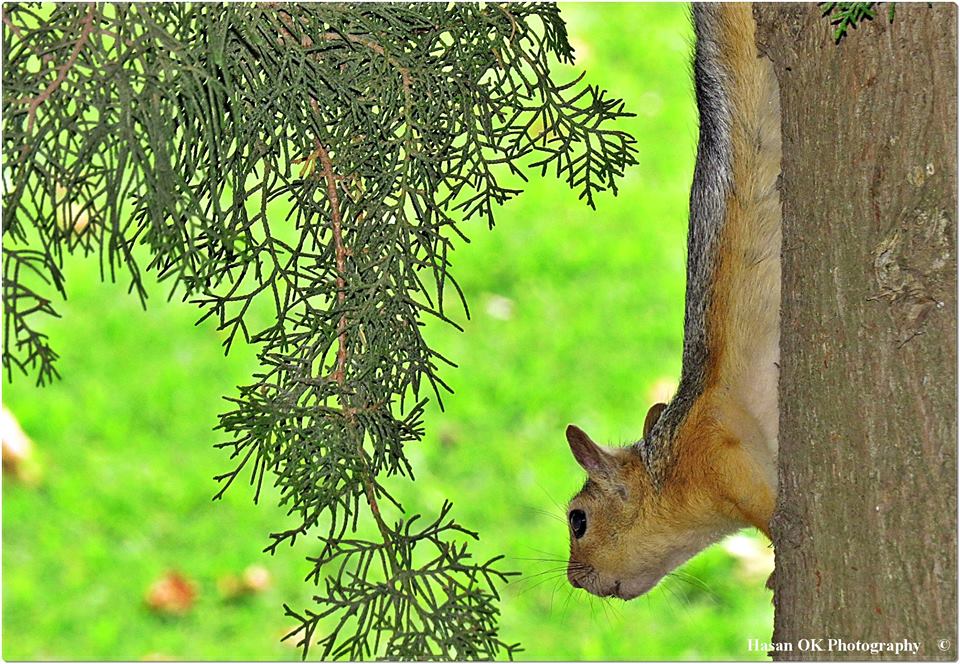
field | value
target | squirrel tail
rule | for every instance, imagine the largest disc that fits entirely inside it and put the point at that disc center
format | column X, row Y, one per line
column 732, row 320
column 735, row 203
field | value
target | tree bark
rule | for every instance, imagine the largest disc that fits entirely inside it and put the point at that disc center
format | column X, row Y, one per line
column 866, row 529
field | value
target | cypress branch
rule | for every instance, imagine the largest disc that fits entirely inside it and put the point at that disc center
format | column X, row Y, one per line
column 319, row 159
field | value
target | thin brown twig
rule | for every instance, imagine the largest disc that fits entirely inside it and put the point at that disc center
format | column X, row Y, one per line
column 339, row 375
column 34, row 103
column 341, row 257
column 15, row 29
column 10, row 24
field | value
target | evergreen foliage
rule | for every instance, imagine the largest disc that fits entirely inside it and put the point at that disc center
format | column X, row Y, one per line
column 315, row 160
column 846, row 16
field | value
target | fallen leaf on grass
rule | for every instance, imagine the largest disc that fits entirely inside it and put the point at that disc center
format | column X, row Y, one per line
column 171, row 594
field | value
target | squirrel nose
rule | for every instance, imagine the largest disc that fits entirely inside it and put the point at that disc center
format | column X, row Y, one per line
column 572, row 578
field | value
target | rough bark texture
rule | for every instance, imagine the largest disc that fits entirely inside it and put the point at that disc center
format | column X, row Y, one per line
column 866, row 531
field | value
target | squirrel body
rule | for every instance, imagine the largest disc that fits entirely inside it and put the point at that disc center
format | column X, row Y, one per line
column 707, row 463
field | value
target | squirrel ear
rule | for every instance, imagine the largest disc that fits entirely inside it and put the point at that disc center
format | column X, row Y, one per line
column 591, row 457
column 652, row 416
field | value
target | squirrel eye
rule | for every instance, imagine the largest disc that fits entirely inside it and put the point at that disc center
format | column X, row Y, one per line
column 578, row 522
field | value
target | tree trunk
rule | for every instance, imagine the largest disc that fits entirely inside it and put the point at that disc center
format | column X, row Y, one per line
column 866, row 530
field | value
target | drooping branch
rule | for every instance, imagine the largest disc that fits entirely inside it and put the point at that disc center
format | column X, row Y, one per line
column 180, row 136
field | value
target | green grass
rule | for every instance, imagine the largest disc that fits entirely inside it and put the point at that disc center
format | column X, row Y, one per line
column 577, row 317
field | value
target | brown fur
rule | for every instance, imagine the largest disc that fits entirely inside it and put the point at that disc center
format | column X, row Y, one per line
column 723, row 472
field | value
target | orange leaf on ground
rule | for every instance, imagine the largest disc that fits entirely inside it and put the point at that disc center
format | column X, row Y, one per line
column 171, row 594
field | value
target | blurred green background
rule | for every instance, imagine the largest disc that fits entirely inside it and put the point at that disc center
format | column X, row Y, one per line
column 577, row 317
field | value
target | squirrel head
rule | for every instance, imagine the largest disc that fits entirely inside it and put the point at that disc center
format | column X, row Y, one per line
column 625, row 534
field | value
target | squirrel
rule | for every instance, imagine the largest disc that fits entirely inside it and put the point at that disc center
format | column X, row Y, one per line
column 707, row 463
